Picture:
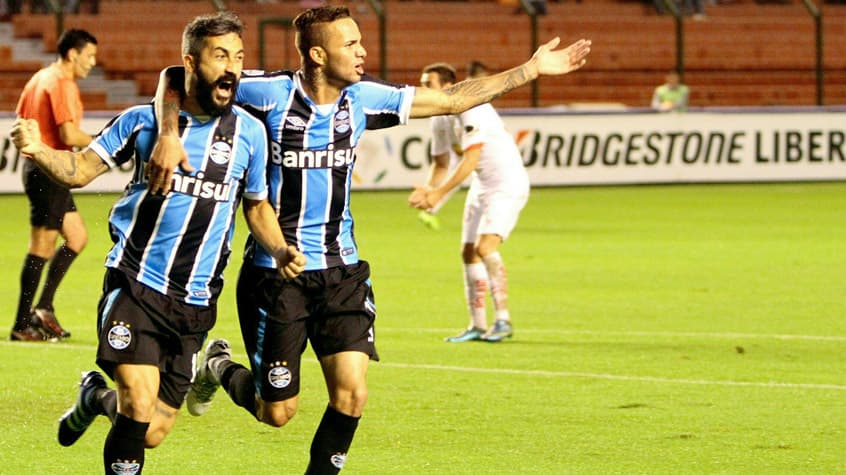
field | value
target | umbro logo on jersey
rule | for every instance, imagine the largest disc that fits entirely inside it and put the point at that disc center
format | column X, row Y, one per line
column 293, row 122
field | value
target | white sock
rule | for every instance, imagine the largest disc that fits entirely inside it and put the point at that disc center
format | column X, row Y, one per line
column 499, row 284
column 475, row 291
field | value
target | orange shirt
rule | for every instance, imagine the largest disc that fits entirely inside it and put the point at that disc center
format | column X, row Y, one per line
column 51, row 99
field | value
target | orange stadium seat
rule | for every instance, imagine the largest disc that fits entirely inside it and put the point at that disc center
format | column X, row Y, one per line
column 744, row 53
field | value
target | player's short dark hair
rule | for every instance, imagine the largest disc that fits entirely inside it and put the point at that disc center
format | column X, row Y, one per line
column 444, row 70
column 476, row 67
column 305, row 24
column 74, row 39
column 204, row 26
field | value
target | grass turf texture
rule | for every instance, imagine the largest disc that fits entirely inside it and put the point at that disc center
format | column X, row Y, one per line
column 659, row 329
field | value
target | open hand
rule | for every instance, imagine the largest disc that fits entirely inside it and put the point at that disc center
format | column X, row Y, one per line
column 551, row 61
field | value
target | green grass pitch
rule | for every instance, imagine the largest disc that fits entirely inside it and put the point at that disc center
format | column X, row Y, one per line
column 659, row 330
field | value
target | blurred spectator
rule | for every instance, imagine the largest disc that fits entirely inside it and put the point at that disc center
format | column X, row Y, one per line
column 672, row 95
column 687, row 7
column 477, row 69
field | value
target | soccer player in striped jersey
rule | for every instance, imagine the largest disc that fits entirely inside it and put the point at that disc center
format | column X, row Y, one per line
column 164, row 272
column 315, row 116
column 499, row 189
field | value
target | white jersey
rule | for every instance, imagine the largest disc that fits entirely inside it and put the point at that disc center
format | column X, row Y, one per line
column 446, row 137
column 500, row 165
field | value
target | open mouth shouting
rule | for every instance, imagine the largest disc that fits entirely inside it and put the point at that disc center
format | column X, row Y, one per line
column 225, row 87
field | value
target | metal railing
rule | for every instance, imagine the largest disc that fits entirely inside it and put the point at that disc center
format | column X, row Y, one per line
column 264, row 23
column 810, row 7
column 818, row 43
column 534, row 10
column 379, row 10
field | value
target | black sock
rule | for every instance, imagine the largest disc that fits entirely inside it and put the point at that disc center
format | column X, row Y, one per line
column 124, row 448
column 59, row 265
column 331, row 442
column 30, row 277
column 105, row 403
column 238, row 383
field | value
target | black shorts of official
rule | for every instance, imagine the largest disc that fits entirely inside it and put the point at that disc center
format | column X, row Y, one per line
column 333, row 309
column 138, row 325
column 48, row 201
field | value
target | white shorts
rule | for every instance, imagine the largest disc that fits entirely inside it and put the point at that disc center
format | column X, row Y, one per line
column 493, row 213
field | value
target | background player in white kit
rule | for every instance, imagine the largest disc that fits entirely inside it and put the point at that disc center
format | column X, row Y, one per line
column 499, row 190
column 476, row 69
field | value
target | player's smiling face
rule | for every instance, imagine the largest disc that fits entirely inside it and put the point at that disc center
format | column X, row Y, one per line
column 345, row 54
column 218, row 72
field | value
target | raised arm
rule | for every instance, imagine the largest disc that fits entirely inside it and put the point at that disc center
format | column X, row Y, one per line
column 71, row 169
column 168, row 152
column 472, row 92
column 261, row 219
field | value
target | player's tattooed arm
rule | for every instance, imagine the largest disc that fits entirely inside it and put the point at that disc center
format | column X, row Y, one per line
column 72, row 169
column 168, row 152
column 471, row 92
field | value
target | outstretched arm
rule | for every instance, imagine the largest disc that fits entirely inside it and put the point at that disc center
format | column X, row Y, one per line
column 168, row 152
column 72, row 169
column 263, row 225
column 469, row 93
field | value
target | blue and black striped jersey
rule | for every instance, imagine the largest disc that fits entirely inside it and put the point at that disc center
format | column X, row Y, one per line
column 179, row 244
column 312, row 156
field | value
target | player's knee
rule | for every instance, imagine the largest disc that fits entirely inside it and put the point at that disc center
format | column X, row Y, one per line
column 350, row 402
column 160, row 426
column 78, row 245
column 77, row 242
column 485, row 248
column 277, row 414
column 155, row 436
column 138, row 408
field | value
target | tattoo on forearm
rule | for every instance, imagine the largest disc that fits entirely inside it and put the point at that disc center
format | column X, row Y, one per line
column 60, row 164
column 478, row 91
column 170, row 120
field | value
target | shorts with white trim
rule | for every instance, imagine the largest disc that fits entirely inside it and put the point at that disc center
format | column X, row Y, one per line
column 138, row 325
column 333, row 309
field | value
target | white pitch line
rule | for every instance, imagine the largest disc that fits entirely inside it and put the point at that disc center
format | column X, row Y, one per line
column 618, row 377
column 762, row 336
column 518, row 372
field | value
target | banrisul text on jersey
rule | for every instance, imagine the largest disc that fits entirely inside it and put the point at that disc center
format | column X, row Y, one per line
column 313, row 155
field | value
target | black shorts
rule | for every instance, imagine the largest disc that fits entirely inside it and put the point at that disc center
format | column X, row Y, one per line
column 137, row 325
column 48, row 201
column 333, row 309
